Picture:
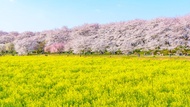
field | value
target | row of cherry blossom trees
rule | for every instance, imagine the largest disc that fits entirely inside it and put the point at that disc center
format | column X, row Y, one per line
column 159, row 33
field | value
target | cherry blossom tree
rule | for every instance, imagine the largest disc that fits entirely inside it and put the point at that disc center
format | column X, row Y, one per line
column 55, row 48
column 2, row 48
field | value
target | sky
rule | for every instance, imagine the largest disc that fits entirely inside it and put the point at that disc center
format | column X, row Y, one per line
column 39, row 15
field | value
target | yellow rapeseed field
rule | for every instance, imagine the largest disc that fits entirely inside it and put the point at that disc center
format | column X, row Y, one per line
column 121, row 81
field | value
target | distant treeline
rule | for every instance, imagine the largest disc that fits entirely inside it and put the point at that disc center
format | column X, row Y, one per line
column 156, row 36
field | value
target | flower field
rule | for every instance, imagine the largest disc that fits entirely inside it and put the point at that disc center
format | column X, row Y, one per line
column 97, row 81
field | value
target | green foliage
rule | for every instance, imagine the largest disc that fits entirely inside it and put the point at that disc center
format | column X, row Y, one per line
column 107, row 53
column 137, row 51
column 35, row 81
column 119, row 52
column 40, row 47
column 165, row 52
